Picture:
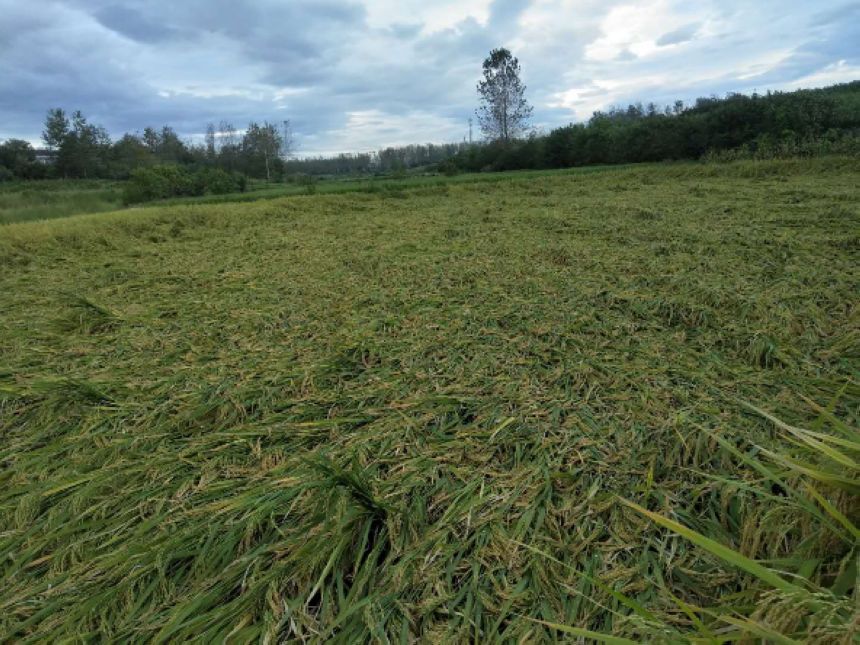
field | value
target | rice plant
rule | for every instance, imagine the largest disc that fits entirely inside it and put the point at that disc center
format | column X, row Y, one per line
column 515, row 410
column 810, row 595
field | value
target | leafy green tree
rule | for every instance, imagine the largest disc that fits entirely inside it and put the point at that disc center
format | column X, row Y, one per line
column 503, row 113
column 128, row 153
column 15, row 154
column 166, row 146
column 18, row 160
column 84, row 150
column 151, row 139
column 171, row 148
column 56, row 128
column 263, row 148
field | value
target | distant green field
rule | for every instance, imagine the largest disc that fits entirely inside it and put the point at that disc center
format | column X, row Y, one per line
column 390, row 185
column 38, row 200
column 528, row 409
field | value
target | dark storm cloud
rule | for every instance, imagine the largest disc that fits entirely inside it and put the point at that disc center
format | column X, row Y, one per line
column 282, row 32
column 504, row 13
column 678, row 36
column 405, row 31
column 352, row 73
column 846, row 13
column 134, row 25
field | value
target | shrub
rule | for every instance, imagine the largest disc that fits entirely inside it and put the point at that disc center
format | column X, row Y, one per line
column 163, row 182
column 219, row 182
column 309, row 182
column 791, row 146
column 448, row 167
column 157, row 182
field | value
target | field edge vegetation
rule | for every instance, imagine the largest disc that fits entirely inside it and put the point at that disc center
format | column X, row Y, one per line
column 617, row 405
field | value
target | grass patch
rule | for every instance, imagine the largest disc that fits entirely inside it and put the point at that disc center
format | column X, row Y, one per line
column 49, row 199
column 40, row 200
column 418, row 414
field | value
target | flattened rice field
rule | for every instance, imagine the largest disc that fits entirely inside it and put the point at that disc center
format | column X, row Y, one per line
column 417, row 414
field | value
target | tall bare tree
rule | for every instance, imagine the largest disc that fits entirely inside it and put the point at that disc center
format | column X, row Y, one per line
column 210, row 141
column 503, row 112
column 228, row 144
column 287, row 143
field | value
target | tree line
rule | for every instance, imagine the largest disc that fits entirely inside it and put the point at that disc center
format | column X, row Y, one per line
column 85, row 150
column 759, row 125
column 798, row 122
column 389, row 160
column 77, row 148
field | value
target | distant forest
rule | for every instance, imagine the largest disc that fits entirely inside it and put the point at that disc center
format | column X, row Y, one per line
column 761, row 125
column 776, row 123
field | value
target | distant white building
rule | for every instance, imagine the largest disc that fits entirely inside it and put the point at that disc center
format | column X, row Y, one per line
column 45, row 156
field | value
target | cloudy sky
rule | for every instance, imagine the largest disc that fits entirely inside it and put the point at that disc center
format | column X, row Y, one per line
column 359, row 74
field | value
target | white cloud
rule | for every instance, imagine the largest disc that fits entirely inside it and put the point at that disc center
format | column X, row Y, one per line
column 359, row 74
column 839, row 72
column 368, row 130
column 432, row 16
column 582, row 102
column 638, row 27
